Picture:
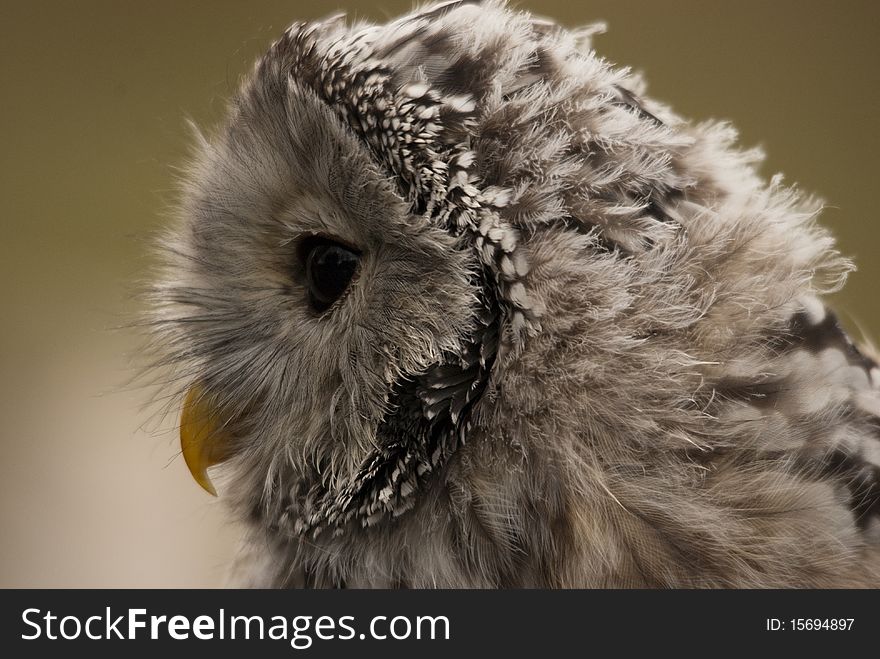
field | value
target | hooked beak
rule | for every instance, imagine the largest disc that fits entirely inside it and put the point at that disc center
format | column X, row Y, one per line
column 204, row 439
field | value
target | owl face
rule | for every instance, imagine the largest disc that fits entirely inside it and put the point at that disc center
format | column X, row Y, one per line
column 335, row 297
column 303, row 293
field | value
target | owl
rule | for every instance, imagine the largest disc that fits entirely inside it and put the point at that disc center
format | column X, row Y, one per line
column 451, row 303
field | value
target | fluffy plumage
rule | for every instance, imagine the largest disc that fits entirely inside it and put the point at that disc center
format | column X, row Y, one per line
column 585, row 345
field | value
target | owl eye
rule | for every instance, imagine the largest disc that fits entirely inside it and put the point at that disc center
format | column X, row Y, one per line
column 329, row 268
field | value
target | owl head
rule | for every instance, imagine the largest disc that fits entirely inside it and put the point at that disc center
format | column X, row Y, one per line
column 430, row 245
column 333, row 294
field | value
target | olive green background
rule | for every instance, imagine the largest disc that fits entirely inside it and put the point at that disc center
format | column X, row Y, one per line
column 93, row 101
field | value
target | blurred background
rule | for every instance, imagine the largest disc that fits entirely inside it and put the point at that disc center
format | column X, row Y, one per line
column 93, row 101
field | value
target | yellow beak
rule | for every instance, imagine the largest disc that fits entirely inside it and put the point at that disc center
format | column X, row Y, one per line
column 203, row 439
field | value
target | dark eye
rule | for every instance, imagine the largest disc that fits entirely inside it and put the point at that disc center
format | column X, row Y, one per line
column 329, row 269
